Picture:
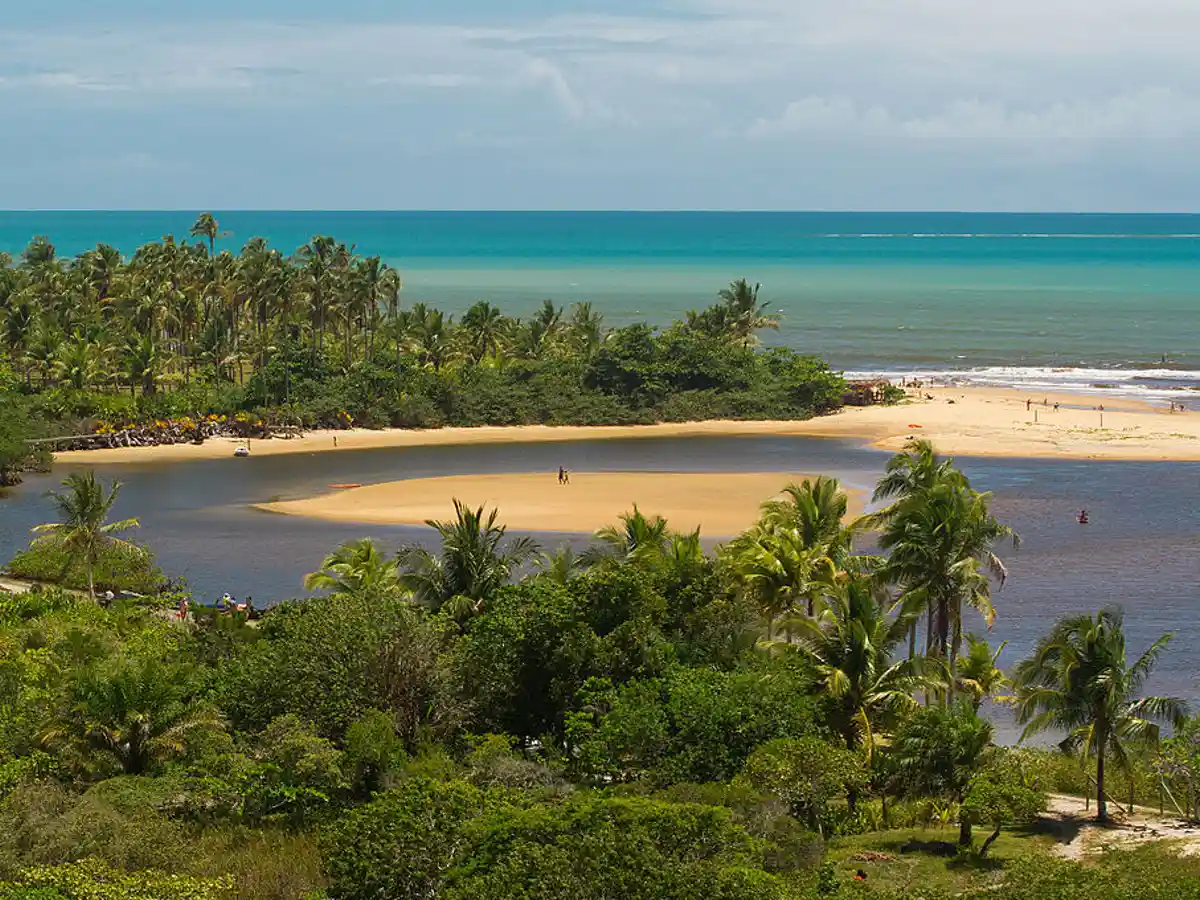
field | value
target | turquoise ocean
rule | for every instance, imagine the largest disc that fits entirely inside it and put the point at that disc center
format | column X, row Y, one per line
column 1103, row 303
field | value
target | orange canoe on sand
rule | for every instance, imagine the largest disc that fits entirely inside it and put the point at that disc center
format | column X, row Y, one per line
column 343, row 487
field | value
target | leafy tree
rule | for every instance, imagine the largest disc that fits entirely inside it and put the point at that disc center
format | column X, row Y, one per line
column 805, row 773
column 1078, row 681
column 331, row 659
column 1179, row 764
column 1001, row 795
column 475, row 562
column 941, row 752
column 85, row 530
column 17, row 427
column 593, row 847
column 404, row 843
column 692, row 725
column 356, row 566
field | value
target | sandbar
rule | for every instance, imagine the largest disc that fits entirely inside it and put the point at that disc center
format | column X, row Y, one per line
column 963, row 421
column 719, row 504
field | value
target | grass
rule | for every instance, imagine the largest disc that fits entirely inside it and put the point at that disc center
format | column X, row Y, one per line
column 889, row 870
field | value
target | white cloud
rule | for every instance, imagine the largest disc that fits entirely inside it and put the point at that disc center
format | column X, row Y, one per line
column 1057, row 80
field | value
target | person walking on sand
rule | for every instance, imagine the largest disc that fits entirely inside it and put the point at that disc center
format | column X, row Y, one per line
column 566, row 476
column 335, row 442
column 562, row 475
column 1028, row 405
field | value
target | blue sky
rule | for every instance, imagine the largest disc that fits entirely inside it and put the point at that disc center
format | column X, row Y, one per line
column 581, row 104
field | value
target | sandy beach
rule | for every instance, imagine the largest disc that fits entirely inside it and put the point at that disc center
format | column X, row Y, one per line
column 966, row 421
column 719, row 504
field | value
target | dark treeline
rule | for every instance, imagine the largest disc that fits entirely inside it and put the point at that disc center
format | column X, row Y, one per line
column 782, row 718
column 320, row 338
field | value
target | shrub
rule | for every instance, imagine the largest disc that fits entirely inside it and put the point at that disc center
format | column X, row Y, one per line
column 119, row 568
column 92, row 880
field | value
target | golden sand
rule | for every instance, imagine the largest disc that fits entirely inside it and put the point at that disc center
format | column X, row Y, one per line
column 720, row 504
column 966, row 421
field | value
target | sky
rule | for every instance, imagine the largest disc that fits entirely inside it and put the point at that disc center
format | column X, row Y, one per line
column 1071, row 105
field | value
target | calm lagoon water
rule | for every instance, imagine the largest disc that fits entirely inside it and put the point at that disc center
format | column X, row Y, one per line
column 1142, row 548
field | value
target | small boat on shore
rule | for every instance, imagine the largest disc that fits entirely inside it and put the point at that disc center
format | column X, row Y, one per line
column 242, row 451
column 344, row 487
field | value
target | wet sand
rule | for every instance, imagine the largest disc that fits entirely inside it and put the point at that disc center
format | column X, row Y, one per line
column 965, row 421
column 720, row 504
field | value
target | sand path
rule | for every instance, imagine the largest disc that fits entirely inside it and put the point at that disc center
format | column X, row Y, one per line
column 1079, row 835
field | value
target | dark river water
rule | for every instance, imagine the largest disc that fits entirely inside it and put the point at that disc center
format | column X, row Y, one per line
column 1141, row 550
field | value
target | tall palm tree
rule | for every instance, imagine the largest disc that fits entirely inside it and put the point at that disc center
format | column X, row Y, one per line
column 134, row 713
column 144, row 361
column 475, row 562
column 85, row 530
column 357, row 566
column 851, row 644
column 917, row 468
column 206, row 227
column 483, row 328
column 1078, row 680
column 940, row 552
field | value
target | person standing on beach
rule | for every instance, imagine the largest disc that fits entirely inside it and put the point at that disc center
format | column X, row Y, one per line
column 562, row 474
column 335, row 442
column 1028, row 405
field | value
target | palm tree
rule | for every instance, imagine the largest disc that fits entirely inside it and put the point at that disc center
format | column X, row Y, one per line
column 206, row 227
column 143, row 363
column 637, row 538
column 132, row 712
column 976, row 673
column 916, row 469
column 796, row 548
column 1078, row 680
column 586, row 330
column 483, row 328
column 851, row 644
column 354, row 567
column 86, row 531
column 474, row 562
column 80, row 362
column 561, row 566
column 939, row 542
column 745, row 314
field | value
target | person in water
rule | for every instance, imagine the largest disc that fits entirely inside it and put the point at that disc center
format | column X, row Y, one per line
column 1083, row 517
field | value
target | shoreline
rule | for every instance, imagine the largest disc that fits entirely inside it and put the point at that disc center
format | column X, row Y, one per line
column 959, row 421
column 720, row 504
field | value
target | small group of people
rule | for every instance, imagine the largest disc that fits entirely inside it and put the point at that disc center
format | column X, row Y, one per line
column 228, row 603
column 564, row 476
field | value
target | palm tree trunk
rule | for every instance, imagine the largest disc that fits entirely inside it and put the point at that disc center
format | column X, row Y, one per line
column 1101, row 802
column 964, row 832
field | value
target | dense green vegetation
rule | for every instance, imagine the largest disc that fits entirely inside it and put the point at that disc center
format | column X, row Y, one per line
column 645, row 720
column 180, row 335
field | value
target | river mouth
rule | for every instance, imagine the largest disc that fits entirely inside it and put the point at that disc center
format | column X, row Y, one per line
column 1141, row 548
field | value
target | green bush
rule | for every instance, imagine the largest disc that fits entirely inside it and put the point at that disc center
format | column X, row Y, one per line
column 119, row 568
column 92, row 880
column 595, row 847
column 403, row 843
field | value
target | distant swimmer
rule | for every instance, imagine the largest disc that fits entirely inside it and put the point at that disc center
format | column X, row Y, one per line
column 1083, row 517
